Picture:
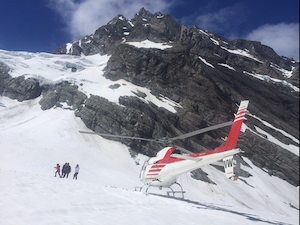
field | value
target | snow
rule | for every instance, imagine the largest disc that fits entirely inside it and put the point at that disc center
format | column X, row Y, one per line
column 121, row 18
column 131, row 24
column 149, row 44
column 126, row 33
column 268, row 78
column 242, row 53
column 214, row 41
column 286, row 73
column 207, row 63
column 203, row 32
column 275, row 128
column 292, row 148
column 263, row 134
column 160, row 16
column 50, row 68
column 226, row 65
column 69, row 48
column 32, row 141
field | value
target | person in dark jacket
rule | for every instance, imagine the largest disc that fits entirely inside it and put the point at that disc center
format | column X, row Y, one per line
column 68, row 169
column 64, row 170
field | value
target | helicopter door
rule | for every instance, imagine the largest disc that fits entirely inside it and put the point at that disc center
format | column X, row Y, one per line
column 229, row 164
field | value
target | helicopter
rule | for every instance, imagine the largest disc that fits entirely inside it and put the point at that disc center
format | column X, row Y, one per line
column 162, row 170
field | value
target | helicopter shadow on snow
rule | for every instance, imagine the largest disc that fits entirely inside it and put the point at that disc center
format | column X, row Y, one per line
column 200, row 205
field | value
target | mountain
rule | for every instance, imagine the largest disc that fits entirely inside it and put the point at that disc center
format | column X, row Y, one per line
column 207, row 75
column 156, row 78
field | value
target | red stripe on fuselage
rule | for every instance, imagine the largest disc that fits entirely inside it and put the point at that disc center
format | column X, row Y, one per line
column 158, row 165
column 154, row 170
column 152, row 174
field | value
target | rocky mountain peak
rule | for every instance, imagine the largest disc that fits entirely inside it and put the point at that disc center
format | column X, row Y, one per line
column 117, row 19
column 143, row 13
column 145, row 25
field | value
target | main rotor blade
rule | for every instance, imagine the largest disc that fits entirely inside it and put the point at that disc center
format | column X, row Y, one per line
column 193, row 133
column 119, row 136
column 183, row 149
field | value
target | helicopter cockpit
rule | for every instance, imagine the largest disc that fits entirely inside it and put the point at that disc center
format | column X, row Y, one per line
column 168, row 151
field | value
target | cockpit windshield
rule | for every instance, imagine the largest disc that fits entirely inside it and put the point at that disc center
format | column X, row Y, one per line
column 161, row 154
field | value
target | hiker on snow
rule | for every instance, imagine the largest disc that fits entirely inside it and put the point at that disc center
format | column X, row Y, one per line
column 64, row 170
column 57, row 170
column 68, row 169
column 76, row 172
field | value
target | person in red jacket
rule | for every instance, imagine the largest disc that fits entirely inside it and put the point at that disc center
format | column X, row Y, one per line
column 57, row 170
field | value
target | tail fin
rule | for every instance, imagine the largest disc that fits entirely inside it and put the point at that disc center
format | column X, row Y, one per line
column 235, row 130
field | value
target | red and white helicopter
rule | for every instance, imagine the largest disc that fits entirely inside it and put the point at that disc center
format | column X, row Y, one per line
column 163, row 169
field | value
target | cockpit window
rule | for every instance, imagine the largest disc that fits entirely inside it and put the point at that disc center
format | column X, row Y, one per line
column 177, row 151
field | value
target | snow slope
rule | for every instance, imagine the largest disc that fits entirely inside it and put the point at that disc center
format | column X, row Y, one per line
column 51, row 68
column 149, row 44
column 32, row 141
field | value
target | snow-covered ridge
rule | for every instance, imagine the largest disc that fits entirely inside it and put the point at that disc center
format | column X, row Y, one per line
column 150, row 44
column 52, row 68
column 242, row 53
column 268, row 79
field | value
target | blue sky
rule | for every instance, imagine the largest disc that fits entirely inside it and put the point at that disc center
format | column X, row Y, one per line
column 44, row 25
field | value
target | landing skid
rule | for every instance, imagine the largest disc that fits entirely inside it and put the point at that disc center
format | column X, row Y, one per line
column 171, row 193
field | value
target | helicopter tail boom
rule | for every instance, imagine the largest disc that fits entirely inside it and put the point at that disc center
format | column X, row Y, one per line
column 235, row 130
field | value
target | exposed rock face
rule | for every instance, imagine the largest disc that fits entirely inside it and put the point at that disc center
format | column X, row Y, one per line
column 62, row 93
column 135, row 119
column 19, row 88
